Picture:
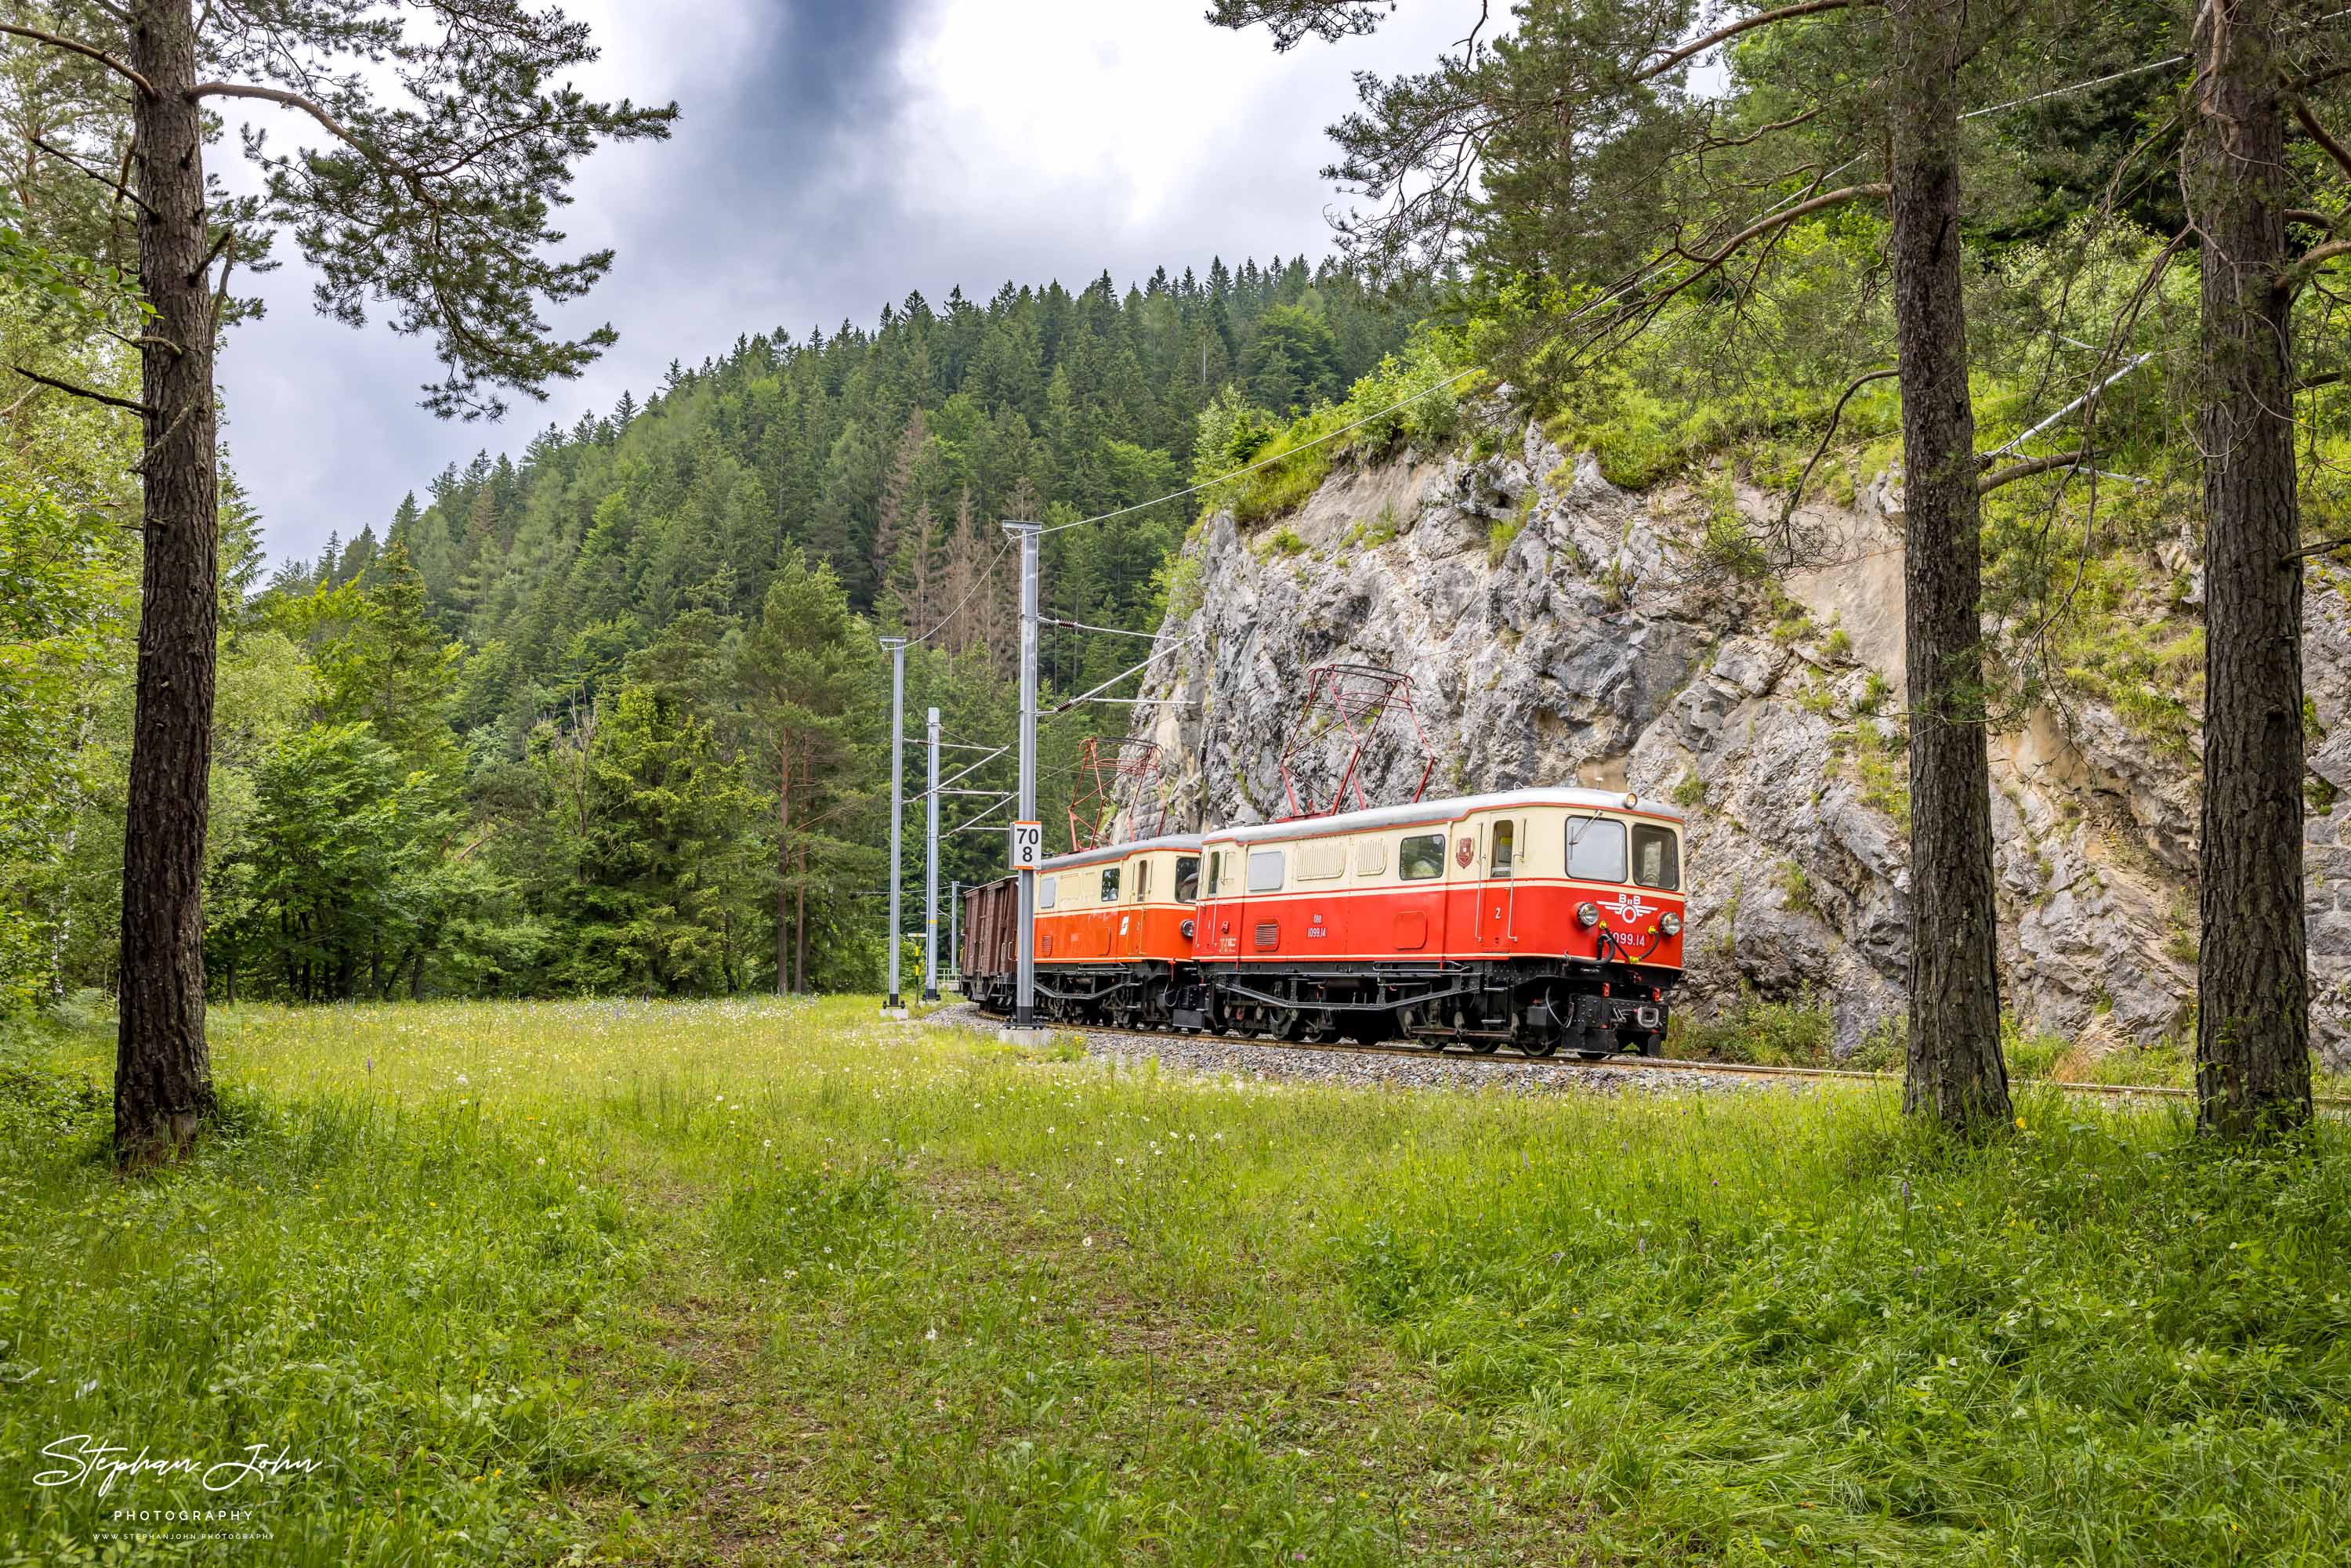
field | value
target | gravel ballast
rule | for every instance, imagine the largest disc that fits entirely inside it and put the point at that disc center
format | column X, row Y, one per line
column 1217, row 1057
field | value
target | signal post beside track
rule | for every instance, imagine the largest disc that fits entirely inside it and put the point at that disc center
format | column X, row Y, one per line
column 897, row 1006
column 1024, row 1008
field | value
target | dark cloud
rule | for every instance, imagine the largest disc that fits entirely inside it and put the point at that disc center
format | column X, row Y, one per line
column 830, row 158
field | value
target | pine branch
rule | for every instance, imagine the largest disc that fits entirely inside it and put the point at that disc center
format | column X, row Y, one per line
column 106, row 398
column 120, row 188
column 1878, row 189
column 2323, row 547
column 2319, row 255
column 311, row 107
column 2319, row 133
column 85, row 50
column 1796, row 497
column 156, row 448
column 2028, row 468
column 1745, row 24
column 144, row 340
column 1708, row 264
column 220, row 243
column 2318, row 77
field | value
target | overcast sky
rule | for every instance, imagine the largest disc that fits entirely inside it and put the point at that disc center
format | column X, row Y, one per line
column 832, row 155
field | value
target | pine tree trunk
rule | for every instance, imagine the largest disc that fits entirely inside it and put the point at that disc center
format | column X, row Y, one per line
column 162, row 1077
column 1955, row 1073
column 2252, row 1025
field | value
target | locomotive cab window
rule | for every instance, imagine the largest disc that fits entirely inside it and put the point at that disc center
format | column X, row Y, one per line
column 1421, row 856
column 1187, row 879
column 1141, row 881
column 1505, row 850
column 1265, row 871
column 1110, row 885
column 1595, row 849
column 1222, row 879
column 1656, row 859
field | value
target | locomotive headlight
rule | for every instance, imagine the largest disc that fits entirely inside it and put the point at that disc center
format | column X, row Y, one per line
column 1186, row 929
column 1587, row 914
column 1670, row 924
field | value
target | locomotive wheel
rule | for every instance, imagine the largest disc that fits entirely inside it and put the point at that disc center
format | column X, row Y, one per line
column 1593, row 1055
column 1541, row 1045
column 1485, row 1047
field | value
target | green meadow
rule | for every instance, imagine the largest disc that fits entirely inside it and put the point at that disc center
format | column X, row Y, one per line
column 777, row 1282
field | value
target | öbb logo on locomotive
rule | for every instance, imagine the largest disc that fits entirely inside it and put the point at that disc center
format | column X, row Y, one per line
column 1628, row 906
column 1554, row 922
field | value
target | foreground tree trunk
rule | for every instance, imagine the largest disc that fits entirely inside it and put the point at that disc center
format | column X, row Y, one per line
column 1954, row 1071
column 2253, row 1026
column 163, row 1079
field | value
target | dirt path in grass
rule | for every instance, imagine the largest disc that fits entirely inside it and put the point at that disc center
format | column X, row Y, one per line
column 781, row 1450
column 761, row 1474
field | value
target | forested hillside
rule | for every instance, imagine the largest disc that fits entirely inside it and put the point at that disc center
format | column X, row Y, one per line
column 608, row 713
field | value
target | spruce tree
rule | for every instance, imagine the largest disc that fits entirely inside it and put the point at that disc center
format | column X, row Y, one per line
column 806, row 673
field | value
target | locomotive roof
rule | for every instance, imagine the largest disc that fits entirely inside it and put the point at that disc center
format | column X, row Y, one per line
column 1120, row 852
column 1574, row 797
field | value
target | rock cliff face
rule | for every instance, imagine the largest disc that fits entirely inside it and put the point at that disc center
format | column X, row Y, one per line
column 1557, row 630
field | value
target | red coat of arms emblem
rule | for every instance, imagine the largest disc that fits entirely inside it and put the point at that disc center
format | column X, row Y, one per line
column 1465, row 852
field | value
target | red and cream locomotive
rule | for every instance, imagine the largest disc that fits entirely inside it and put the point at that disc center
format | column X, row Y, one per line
column 1541, row 919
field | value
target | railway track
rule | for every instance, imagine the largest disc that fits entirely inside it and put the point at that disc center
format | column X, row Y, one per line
column 1623, row 1062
